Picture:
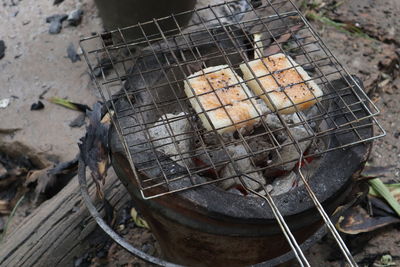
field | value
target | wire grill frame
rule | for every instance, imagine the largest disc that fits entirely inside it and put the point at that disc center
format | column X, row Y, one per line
column 109, row 47
column 118, row 53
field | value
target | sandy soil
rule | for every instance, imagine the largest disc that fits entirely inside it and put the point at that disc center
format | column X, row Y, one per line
column 36, row 61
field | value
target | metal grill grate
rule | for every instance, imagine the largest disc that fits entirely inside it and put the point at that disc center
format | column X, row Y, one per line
column 143, row 80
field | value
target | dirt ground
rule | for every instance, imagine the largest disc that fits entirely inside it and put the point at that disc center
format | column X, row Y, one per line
column 36, row 62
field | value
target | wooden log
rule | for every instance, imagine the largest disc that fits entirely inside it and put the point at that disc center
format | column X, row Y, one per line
column 57, row 232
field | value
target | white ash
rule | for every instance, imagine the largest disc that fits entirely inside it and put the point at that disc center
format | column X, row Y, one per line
column 259, row 146
column 233, row 14
column 291, row 152
column 162, row 133
column 284, row 184
column 217, row 158
column 244, row 166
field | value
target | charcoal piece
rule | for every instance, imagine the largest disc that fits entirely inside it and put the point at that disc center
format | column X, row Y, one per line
column 2, row 49
column 57, row 2
column 105, row 65
column 71, row 53
column 37, row 106
column 56, row 22
column 78, row 121
column 75, row 17
column 256, row 3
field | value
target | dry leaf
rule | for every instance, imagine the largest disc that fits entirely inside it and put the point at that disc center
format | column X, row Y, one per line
column 356, row 220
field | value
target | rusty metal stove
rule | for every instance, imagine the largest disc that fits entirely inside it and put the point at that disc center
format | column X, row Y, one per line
column 195, row 221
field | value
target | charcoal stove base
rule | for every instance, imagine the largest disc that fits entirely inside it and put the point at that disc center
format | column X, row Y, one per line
column 207, row 226
column 188, row 237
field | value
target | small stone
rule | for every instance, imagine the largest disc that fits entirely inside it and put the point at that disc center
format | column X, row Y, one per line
column 55, row 27
column 56, row 2
column 37, row 106
column 26, row 22
column 56, row 22
column 71, row 53
column 2, row 49
column 78, row 121
column 75, row 17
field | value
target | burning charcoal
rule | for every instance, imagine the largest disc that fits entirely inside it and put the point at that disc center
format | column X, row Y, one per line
column 56, row 22
column 243, row 165
column 289, row 152
column 284, row 184
column 213, row 158
column 162, row 135
column 75, row 17
column 71, row 52
column 259, row 146
column 2, row 49
column 273, row 121
column 4, row 102
column 37, row 106
column 78, row 121
column 211, row 138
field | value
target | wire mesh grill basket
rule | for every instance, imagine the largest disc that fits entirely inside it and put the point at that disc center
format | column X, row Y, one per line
column 170, row 134
column 159, row 70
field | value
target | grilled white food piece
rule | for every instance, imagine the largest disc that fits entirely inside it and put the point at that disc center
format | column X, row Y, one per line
column 224, row 97
column 286, row 83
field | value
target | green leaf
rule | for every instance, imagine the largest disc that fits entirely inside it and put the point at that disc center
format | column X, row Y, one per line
column 63, row 102
column 381, row 190
column 394, row 189
column 138, row 220
column 68, row 104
